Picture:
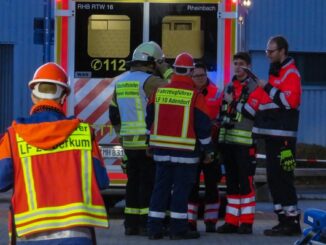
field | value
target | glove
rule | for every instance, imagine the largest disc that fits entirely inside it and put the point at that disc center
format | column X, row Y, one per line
column 124, row 164
column 208, row 158
column 288, row 162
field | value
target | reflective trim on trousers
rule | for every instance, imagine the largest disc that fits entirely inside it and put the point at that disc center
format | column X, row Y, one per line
column 232, row 210
column 278, row 207
column 190, row 160
column 192, row 216
column 211, row 215
column 155, row 214
column 205, row 141
column 248, row 210
column 214, row 206
column 176, row 215
column 291, row 210
column 247, row 200
column 193, row 207
column 233, row 200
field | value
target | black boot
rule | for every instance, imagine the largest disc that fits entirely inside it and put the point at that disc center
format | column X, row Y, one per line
column 131, row 231
column 142, row 231
column 288, row 226
column 294, row 227
column 245, row 228
column 275, row 229
column 227, row 228
column 192, row 226
column 210, row 227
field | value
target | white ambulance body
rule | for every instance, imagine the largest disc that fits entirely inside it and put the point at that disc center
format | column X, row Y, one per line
column 95, row 39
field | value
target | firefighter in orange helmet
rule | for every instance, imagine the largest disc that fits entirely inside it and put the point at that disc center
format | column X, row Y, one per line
column 177, row 120
column 56, row 168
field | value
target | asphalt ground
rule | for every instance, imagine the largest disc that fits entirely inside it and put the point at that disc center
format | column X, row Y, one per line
column 115, row 235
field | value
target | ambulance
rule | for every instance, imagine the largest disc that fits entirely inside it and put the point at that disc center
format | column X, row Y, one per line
column 95, row 39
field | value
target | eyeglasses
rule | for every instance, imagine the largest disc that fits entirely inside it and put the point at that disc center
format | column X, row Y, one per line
column 270, row 51
column 199, row 75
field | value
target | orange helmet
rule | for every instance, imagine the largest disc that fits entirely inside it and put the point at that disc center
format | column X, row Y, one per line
column 185, row 62
column 50, row 73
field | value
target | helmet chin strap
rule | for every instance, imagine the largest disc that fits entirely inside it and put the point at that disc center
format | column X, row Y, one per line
column 62, row 100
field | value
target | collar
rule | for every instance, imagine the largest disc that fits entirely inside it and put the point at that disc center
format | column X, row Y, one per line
column 288, row 60
column 234, row 78
column 47, row 105
column 183, row 79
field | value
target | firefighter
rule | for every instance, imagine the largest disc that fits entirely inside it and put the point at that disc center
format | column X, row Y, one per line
column 177, row 120
column 55, row 167
column 276, row 123
column 238, row 149
column 212, row 172
column 127, row 115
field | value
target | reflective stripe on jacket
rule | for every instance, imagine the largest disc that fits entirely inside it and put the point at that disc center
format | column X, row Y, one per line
column 278, row 113
column 68, row 168
column 165, row 133
column 132, row 101
column 238, row 129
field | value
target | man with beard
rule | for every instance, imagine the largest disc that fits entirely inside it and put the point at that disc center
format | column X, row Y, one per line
column 276, row 122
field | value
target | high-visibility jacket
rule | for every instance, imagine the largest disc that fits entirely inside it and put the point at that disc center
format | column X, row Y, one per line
column 132, row 100
column 212, row 99
column 55, row 171
column 239, row 114
column 278, row 103
column 165, row 133
column 36, row 204
column 177, row 119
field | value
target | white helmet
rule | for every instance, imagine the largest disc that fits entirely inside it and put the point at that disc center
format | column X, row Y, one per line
column 148, row 51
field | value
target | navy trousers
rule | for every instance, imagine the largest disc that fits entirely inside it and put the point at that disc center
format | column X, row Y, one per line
column 173, row 183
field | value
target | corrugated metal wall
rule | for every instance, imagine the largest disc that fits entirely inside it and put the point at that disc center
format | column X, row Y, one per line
column 312, row 126
column 301, row 21
column 16, row 28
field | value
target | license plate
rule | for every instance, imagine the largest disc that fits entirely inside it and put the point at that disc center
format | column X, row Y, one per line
column 112, row 151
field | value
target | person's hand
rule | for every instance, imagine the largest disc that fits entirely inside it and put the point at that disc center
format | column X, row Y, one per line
column 124, row 164
column 149, row 152
column 209, row 157
column 261, row 83
column 162, row 67
column 228, row 98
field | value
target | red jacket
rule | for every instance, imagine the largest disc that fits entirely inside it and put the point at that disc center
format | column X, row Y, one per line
column 212, row 99
column 278, row 103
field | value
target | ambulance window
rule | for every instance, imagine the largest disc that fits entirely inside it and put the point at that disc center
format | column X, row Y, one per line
column 108, row 36
column 176, row 33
